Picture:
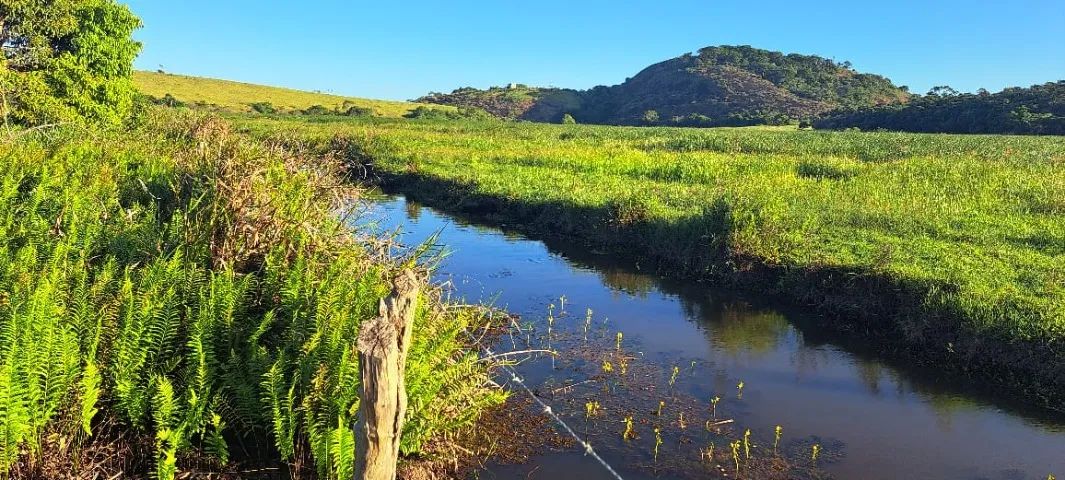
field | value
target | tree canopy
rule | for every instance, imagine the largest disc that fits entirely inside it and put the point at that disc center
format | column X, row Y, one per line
column 66, row 61
column 1039, row 109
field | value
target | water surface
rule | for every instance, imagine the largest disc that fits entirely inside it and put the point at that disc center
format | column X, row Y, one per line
column 880, row 421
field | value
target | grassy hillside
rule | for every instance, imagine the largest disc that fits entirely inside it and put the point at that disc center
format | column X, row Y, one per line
column 947, row 249
column 237, row 96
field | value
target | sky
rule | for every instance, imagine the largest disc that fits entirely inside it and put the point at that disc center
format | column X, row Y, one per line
column 402, row 49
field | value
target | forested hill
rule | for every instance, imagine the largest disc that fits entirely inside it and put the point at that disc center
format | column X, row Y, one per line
column 1039, row 109
column 726, row 85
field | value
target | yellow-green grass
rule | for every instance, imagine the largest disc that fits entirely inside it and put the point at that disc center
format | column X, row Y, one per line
column 238, row 97
column 952, row 247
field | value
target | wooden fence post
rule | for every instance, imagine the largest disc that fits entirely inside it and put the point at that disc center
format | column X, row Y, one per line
column 382, row 345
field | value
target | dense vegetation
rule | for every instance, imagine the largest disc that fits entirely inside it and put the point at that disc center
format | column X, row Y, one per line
column 227, row 96
column 176, row 291
column 1039, row 109
column 726, row 85
column 66, row 61
column 947, row 249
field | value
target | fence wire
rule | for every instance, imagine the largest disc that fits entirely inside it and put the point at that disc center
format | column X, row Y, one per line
column 588, row 450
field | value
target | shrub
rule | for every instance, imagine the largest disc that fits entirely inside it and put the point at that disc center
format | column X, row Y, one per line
column 265, row 108
column 69, row 61
column 359, row 112
column 317, row 110
column 568, row 119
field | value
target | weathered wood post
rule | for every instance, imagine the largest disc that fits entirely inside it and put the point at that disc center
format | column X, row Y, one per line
column 382, row 345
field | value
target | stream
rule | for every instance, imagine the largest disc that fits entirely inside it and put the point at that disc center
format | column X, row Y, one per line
column 872, row 418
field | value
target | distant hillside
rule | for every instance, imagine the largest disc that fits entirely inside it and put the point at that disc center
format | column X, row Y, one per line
column 238, row 97
column 1039, row 109
column 727, row 85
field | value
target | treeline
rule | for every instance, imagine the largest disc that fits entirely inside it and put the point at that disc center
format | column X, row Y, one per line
column 1037, row 110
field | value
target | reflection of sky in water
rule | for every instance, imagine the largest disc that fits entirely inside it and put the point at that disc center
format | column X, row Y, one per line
column 892, row 424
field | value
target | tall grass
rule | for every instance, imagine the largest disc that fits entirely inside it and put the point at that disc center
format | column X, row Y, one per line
column 194, row 289
column 949, row 249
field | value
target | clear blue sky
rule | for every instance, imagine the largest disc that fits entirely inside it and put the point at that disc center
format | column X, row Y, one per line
column 403, row 49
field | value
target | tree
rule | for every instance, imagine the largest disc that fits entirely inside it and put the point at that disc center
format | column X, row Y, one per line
column 651, row 117
column 568, row 119
column 66, row 61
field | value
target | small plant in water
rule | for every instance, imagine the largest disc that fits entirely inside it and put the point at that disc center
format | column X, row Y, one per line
column 681, row 423
column 739, row 390
column 591, row 409
column 673, row 378
column 623, row 363
column 776, row 437
column 658, row 441
column 736, row 455
column 628, row 433
column 816, row 452
column 661, row 405
column 713, row 406
column 747, row 444
column 708, row 454
column 620, row 336
column 587, row 323
column 607, row 366
column 562, row 304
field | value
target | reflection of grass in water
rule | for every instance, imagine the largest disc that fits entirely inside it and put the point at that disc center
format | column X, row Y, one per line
column 633, row 413
column 743, row 330
column 636, row 284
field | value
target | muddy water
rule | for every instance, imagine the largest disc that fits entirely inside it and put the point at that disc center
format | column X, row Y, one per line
column 875, row 420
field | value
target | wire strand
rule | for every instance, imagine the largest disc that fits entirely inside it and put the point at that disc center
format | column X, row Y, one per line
column 588, row 450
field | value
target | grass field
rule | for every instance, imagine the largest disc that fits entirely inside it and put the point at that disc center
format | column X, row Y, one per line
column 948, row 249
column 173, row 297
column 237, row 97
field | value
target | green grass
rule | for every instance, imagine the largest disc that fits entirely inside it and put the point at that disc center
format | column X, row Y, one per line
column 174, row 288
column 238, row 97
column 948, row 248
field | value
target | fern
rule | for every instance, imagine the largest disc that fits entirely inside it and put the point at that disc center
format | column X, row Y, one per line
column 90, row 394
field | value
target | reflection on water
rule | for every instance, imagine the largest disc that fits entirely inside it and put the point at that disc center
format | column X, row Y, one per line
column 887, row 422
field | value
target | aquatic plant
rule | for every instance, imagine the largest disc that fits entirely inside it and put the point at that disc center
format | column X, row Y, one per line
column 777, row 432
column 739, row 390
column 591, row 409
column 747, row 444
column 673, row 376
column 661, row 405
column 815, row 452
column 713, row 406
column 736, row 454
column 708, row 453
column 629, row 433
column 618, row 344
column 658, row 441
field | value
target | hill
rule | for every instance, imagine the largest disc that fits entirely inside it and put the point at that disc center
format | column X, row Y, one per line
column 1039, row 109
column 726, row 85
column 238, row 97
